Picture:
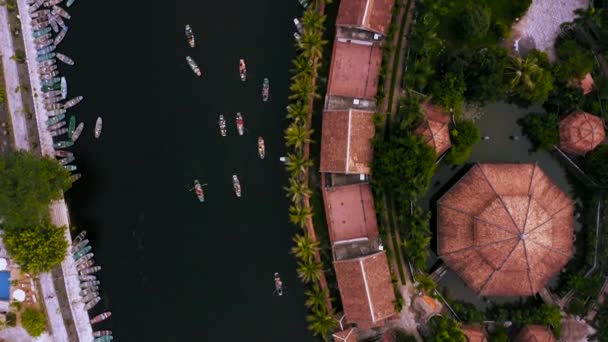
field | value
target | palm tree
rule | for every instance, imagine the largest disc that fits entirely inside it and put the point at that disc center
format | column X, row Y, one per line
column 322, row 323
column 311, row 44
column 298, row 214
column 316, row 298
column 297, row 111
column 297, row 165
column 309, row 271
column 297, row 190
column 296, row 135
column 525, row 72
column 303, row 65
column 313, row 21
column 425, row 283
column 305, row 248
column 301, row 89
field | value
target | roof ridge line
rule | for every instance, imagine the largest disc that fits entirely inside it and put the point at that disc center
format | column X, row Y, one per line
column 499, row 197
column 498, row 270
column 550, row 217
column 476, row 247
column 551, row 248
column 480, row 219
column 529, row 269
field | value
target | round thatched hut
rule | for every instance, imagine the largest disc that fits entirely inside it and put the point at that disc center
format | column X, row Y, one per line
column 580, row 132
column 506, row 229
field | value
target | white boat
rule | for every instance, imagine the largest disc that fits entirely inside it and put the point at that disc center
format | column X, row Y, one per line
column 298, row 24
column 236, row 184
column 78, row 131
column 60, row 36
column 60, row 11
column 240, row 124
column 278, row 284
column 72, row 102
column 64, row 88
column 65, row 59
column 98, row 126
column 92, row 303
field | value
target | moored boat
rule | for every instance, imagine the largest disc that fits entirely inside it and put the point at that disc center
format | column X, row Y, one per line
column 45, row 57
column 42, row 44
column 50, row 82
column 298, row 24
column 55, row 112
column 61, row 23
column 261, row 148
column 88, row 290
column 82, row 252
column 40, row 13
column 91, row 304
column 85, row 284
column 50, row 94
column 86, row 258
column 61, row 12
column 65, row 59
column 89, row 277
column 47, row 49
column 50, row 3
column 98, row 127
column 78, row 131
column 87, row 264
column 63, row 154
column 198, row 190
column 193, row 66
column 72, row 125
column 59, row 132
column 240, row 124
column 236, row 184
column 55, row 119
column 83, row 233
column 222, row 123
column 278, row 284
column 53, row 22
column 89, row 297
column 51, row 61
column 64, row 88
column 63, row 144
column 53, row 106
column 57, row 126
column 50, row 88
column 75, row 177
column 101, row 317
column 49, row 75
column 70, row 167
column 41, row 32
column 72, row 102
column 41, row 26
column 104, row 339
column 297, row 36
column 35, row 6
column 102, row 333
column 265, row 89
column 46, row 69
column 84, row 242
column 243, row 70
column 60, row 36
column 90, row 270
column 190, row 36
column 42, row 38
column 70, row 3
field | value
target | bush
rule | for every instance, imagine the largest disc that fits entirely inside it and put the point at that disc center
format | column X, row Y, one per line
column 542, row 129
column 475, row 21
column 36, row 248
column 33, row 321
column 449, row 92
column 596, row 165
column 464, row 136
column 11, row 319
column 574, row 61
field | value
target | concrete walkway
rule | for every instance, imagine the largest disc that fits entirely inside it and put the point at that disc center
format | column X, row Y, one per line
column 11, row 80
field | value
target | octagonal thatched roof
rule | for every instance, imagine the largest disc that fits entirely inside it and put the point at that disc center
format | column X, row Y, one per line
column 580, row 132
column 535, row 333
column 506, row 229
column 435, row 129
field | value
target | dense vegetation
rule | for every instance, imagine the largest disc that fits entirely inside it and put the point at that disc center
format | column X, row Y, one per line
column 542, row 129
column 446, row 330
column 464, row 135
column 33, row 321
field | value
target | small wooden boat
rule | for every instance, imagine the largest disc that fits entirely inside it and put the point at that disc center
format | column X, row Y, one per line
column 83, row 233
column 89, row 297
column 57, row 126
column 265, row 89
column 85, row 258
column 193, row 66
column 55, row 119
column 72, row 102
column 101, row 317
column 78, row 131
column 102, row 333
column 59, row 132
column 63, row 144
column 236, row 185
column 87, row 284
column 222, row 123
column 70, row 167
column 190, row 36
column 278, row 284
column 261, row 148
column 88, row 291
column 86, row 264
column 80, row 253
column 240, row 124
column 243, row 70
column 72, row 125
column 60, row 36
column 98, row 127
column 89, row 277
column 84, row 242
column 198, row 190
column 75, row 177
column 104, row 339
column 90, row 270
column 60, row 11
column 91, row 304
column 65, row 59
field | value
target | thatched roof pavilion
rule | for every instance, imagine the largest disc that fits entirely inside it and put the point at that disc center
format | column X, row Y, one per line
column 474, row 333
column 506, row 229
column 580, row 132
column 535, row 333
column 435, row 128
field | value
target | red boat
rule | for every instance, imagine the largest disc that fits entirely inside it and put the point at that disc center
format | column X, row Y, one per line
column 240, row 123
column 243, row 70
column 101, row 317
column 198, row 190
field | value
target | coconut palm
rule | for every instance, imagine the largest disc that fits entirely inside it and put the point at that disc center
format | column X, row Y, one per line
column 298, row 214
column 322, row 323
column 296, row 164
column 303, row 65
column 316, row 298
column 313, row 21
column 296, row 135
column 425, row 283
column 305, row 247
column 524, row 72
column 312, row 44
column 309, row 271
column 301, row 89
column 297, row 111
column 297, row 190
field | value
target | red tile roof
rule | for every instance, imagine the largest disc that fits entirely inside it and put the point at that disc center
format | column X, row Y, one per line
column 365, row 288
column 350, row 212
column 581, row 132
column 587, row 84
column 373, row 15
column 347, row 335
column 475, row 333
column 346, row 141
column 535, row 333
column 435, row 128
column 506, row 229
column 354, row 70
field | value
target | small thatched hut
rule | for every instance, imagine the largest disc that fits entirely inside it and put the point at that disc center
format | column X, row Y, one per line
column 506, row 229
column 535, row 333
column 580, row 132
column 435, row 128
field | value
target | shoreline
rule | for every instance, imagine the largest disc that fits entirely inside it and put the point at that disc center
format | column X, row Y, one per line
column 59, row 211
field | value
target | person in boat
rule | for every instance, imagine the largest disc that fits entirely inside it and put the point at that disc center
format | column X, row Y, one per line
column 242, row 65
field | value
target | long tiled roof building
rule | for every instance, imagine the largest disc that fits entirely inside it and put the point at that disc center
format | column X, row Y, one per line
column 506, row 229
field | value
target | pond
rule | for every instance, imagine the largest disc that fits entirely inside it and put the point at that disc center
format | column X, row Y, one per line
column 502, row 142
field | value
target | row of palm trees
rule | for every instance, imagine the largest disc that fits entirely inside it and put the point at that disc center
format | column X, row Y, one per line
column 297, row 138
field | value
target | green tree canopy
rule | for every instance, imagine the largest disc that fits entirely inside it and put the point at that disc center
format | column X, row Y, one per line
column 573, row 60
column 475, row 21
column 33, row 321
column 596, row 165
column 36, row 248
column 446, row 330
column 464, row 136
column 28, row 184
column 542, row 129
column 531, row 82
column 485, row 76
column 449, row 92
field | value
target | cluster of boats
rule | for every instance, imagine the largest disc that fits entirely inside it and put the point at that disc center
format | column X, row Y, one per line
column 89, row 285
column 48, row 19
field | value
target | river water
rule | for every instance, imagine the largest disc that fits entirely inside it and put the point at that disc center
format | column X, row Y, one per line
column 175, row 269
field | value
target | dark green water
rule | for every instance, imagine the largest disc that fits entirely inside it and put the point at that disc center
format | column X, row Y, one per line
column 174, row 269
